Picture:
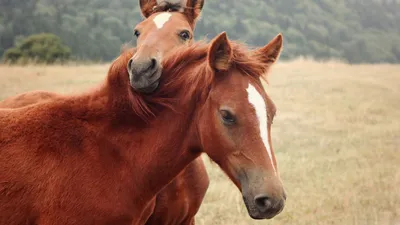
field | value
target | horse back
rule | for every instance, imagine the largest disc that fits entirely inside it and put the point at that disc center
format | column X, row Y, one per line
column 27, row 98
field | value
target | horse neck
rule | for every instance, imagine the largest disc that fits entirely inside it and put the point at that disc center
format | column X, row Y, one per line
column 159, row 150
column 89, row 106
column 163, row 152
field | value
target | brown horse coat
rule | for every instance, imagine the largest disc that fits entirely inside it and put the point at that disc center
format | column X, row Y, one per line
column 93, row 159
column 179, row 202
column 80, row 156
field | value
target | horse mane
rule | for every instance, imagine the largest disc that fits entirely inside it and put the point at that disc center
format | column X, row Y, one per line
column 166, row 6
column 175, row 75
column 186, row 75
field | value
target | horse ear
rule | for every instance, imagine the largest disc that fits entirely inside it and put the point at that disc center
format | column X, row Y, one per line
column 269, row 54
column 193, row 9
column 147, row 7
column 220, row 53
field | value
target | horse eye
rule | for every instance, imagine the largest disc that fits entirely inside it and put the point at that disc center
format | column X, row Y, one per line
column 136, row 33
column 227, row 117
column 185, row 35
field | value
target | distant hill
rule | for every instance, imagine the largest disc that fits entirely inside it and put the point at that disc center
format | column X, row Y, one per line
column 363, row 31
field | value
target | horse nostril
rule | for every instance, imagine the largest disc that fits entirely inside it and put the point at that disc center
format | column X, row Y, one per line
column 153, row 63
column 130, row 64
column 263, row 202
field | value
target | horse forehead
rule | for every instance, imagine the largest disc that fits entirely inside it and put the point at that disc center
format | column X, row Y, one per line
column 257, row 100
column 170, row 21
column 161, row 19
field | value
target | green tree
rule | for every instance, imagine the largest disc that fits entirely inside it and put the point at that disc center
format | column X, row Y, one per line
column 40, row 48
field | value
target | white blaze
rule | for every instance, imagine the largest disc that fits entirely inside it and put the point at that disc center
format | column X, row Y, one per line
column 161, row 19
column 258, row 103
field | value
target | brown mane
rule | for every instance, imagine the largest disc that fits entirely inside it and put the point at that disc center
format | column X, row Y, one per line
column 177, row 84
column 166, row 6
column 189, row 10
column 175, row 68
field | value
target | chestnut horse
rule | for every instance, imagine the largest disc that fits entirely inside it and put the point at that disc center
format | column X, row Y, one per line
column 180, row 200
column 92, row 158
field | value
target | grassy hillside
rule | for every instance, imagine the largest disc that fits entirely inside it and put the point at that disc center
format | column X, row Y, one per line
column 336, row 138
column 354, row 31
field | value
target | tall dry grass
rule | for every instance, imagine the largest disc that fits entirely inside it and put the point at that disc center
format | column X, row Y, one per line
column 336, row 138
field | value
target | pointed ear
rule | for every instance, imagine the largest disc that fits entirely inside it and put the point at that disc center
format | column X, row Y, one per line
column 147, row 7
column 220, row 53
column 193, row 9
column 269, row 54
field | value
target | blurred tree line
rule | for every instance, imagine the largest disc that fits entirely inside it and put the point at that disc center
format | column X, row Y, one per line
column 364, row 31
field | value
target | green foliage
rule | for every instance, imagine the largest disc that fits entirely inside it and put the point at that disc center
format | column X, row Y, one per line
column 365, row 31
column 39, row 48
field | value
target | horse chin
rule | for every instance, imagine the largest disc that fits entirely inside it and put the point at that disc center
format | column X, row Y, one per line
column 149, row 89
column 146, row 84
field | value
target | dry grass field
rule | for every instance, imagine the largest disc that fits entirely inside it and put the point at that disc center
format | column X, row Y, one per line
column 336, row 138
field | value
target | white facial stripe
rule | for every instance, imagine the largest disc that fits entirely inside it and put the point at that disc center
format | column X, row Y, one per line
column 161, row 19
column 258, row 103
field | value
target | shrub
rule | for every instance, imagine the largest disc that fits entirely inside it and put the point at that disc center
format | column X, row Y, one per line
column 39, row 48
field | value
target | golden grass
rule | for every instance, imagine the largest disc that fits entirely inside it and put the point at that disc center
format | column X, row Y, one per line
column 336, row 138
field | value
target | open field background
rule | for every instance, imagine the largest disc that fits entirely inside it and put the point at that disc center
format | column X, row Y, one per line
column 336, row 138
